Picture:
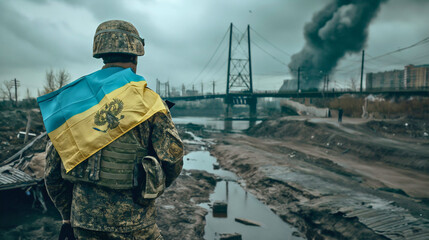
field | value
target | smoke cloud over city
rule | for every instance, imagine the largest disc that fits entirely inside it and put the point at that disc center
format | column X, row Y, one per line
column 341, row 27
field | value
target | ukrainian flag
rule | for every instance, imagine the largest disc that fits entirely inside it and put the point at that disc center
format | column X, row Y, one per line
column 88, row 114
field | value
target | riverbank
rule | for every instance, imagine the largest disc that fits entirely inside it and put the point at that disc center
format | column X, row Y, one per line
column 320, row 177
column 330, row 181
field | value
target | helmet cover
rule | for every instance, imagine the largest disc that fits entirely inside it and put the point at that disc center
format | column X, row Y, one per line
column 117, row 36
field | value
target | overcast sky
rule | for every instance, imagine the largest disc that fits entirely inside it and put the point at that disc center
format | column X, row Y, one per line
column 182, row 35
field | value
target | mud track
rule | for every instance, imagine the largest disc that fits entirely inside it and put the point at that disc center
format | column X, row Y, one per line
column 303, row 171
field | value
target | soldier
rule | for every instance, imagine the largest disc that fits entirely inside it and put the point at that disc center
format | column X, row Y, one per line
column 114, row 146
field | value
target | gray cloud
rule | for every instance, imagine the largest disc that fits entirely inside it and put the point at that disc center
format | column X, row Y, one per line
column 180, row 35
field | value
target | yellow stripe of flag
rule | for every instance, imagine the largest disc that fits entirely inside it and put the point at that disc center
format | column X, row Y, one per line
column 77, row 139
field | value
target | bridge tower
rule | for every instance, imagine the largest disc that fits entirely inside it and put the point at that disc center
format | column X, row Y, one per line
column 239, row 83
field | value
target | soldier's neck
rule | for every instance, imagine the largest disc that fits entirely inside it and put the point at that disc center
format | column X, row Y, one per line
column 133, row 66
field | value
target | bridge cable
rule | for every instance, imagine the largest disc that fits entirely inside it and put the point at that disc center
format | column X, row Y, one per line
column 211, row 58
column 270, row 43
column 215, row 64
column 272, row 56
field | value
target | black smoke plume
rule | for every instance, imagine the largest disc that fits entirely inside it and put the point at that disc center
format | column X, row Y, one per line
column 341, row 27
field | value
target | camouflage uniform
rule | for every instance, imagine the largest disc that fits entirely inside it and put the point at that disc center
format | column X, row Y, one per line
column 113, row 213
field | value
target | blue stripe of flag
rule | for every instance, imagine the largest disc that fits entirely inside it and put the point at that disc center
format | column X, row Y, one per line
column 80, row 95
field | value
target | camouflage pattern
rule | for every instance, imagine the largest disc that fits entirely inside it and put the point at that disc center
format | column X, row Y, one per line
column 117, row 36
column 59, row 191
column 96, row 208
column 154, row 183
column 148, row 233
column 112, row 166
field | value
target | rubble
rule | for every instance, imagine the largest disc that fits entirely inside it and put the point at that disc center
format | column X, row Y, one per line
column 11, row 178
column 220, row 209
column 28, row 213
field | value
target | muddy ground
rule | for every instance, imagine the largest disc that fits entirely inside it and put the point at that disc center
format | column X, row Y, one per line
column 357, row 180
column 179, row 213
column 179, row 216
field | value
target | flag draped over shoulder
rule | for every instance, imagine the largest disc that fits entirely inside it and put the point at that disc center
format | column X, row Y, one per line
column 88, row 114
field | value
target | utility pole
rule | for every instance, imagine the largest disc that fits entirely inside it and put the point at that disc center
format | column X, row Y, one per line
column 202, row 88
column 16, row 93
column 361, row 70
column 299, row 75
column 183, row 89
column 214, row 85
column 229, row 60
column 324, row 83
column 327, row 82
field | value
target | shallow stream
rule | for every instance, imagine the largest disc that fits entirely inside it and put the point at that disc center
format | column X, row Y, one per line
column 241, row 204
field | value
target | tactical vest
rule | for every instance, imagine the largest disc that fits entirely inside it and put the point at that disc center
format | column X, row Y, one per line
column 122, row 165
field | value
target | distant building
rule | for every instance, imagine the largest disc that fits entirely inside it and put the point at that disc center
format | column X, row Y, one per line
column 174, row 92
column 191, row 92
column 386, row 80
column 416, row 76
column 411, row 77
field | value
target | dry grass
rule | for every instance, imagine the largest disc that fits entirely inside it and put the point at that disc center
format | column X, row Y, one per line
column 394, row 108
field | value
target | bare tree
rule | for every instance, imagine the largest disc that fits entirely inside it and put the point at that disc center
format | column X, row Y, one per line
column 3, row 93
column 7, row 89
column 62, row 78
column 55, row 81
column 50, row 82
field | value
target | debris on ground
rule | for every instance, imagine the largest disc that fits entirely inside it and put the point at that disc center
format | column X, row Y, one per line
column 220, row 209
column 230, row 236
column 28, row 213
column 247, row 222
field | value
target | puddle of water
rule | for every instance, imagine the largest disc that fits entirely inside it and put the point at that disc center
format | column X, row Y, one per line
column 241, row 204
column 202, row 160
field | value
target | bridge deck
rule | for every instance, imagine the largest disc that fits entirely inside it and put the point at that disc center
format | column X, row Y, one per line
column 294, row 94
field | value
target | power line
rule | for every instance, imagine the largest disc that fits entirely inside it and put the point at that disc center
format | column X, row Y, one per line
column 424, row 41
column 217, row 48
column 270, row 43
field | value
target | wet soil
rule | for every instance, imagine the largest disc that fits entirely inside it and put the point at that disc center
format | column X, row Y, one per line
column 330, row 181
column 333, row 181
column 179, row 214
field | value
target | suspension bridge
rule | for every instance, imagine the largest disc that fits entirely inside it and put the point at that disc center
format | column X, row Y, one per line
column 239, row 79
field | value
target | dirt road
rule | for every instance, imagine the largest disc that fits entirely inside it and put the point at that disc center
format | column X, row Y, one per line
column 334, row 181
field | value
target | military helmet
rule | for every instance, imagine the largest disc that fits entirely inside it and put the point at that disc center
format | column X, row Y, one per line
column 117, row 36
